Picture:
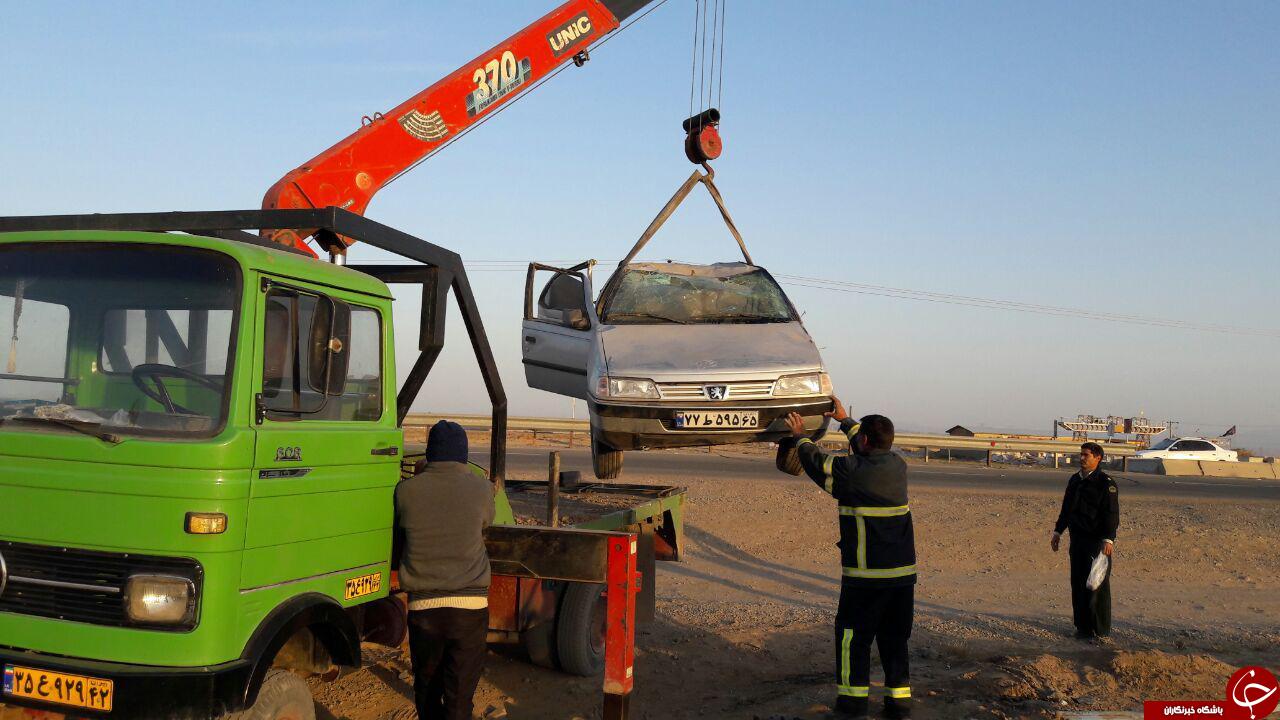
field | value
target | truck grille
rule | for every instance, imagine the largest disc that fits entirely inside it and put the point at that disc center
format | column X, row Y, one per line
column 78, row 585
column 749, row 390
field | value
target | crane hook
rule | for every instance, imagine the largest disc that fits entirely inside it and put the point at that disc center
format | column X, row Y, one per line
column 702, row 140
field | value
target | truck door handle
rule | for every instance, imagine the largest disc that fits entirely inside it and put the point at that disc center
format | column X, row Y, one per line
column 531, row 339
column 393, row 450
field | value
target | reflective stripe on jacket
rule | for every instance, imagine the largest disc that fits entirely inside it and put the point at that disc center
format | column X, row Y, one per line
column 877, row 540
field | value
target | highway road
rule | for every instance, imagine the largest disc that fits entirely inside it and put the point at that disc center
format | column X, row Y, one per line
column 532, row 462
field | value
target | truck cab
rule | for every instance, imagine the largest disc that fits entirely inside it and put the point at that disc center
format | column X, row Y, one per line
column 198, row 450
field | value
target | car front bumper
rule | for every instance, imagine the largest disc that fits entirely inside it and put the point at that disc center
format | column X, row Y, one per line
column 637, row 425
column 141, row 691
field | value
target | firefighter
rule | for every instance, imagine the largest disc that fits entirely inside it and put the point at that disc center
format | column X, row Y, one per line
column 1091, row 511
column 878, row 555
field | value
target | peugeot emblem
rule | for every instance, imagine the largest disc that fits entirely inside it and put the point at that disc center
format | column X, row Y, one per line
column 717, row 392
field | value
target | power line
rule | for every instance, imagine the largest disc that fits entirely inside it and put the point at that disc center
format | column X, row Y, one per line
column 897, row 293
column 1013, row 305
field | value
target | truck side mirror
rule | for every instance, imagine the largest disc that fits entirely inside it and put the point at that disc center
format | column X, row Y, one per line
column 328, row 350
column 577, row 319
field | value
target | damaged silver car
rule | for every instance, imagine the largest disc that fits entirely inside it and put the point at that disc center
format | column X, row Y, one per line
column 673, row 355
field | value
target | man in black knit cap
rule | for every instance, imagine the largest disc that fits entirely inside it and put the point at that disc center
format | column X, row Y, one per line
column 441, row 514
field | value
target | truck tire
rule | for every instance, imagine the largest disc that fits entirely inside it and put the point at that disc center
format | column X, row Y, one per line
column 539, row 644
column 283, row 696
column 788, row 457
column 605, row 461
column 580, row 629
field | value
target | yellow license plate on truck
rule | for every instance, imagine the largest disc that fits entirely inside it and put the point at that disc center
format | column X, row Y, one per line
column 363, row 585
column 59, row 688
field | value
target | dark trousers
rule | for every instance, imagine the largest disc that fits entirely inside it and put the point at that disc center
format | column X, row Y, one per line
column 1090, row 609
column 448, row 648
column 882, row 615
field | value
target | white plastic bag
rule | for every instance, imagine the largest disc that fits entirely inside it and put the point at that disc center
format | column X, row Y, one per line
column 1098, row 571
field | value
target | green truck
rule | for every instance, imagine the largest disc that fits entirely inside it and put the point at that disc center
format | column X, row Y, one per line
column 200, row 436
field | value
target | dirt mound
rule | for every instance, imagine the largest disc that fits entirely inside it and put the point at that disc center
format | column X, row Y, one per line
column 1106, row 680
column 1156, row 675
column 1043, row 678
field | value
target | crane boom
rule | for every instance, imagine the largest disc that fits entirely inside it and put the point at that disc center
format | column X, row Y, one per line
column 348, row 174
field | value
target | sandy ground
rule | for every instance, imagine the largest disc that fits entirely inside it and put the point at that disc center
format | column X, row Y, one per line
column 744, row 622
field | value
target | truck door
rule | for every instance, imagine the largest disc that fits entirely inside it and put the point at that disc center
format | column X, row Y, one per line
column 559, row 325
column 328, row 447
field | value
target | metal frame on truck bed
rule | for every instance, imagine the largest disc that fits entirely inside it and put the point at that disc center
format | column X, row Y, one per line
column 288, row 565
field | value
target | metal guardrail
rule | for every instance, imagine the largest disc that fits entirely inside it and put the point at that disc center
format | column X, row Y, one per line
column 481, row 422
column 953, row 442
column 903, row 440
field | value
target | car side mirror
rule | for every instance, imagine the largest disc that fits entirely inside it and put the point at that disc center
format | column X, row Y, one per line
column 577, row 319
column 328, row 346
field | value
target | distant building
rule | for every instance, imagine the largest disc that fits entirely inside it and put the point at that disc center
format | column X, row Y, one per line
column 960, row 431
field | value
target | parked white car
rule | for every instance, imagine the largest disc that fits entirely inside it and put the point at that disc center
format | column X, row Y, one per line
column 673, row 355
column 1188, row 448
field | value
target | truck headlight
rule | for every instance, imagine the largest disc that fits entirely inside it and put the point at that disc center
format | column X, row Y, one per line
column 818, row 383
column 635, row 388
column 160, row 600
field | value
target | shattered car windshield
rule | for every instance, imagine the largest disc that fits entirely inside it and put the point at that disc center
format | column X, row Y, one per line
column 116, row 339
column 645, row 296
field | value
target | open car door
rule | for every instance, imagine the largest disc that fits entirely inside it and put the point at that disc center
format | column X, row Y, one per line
column 559, row 323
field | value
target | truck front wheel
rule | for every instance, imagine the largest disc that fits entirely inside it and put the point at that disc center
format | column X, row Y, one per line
column 283, row 696
column 605, row 461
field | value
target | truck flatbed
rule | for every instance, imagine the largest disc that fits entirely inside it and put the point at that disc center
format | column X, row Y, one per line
column 591, row 506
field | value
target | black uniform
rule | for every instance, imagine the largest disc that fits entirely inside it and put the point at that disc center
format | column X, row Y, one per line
column 878, row 554
column 1091, row 511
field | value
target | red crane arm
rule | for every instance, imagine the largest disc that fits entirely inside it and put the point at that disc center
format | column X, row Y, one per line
column 349, row 173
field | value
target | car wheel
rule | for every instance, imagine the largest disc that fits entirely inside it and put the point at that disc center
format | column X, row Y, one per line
column 788, row 458
column 605, row 461
column 580, row 629
column 283, row 696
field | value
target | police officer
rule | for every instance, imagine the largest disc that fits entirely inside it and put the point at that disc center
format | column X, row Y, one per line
column 1091, row 511
column 877, row 550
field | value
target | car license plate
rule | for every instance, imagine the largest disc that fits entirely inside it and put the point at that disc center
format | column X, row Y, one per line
column 61, row 688
column 718, row 420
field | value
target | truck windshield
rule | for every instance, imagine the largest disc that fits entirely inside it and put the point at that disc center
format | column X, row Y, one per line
column 645, row 297
column 116, row 338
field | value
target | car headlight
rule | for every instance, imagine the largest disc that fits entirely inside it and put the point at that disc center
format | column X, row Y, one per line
column 818, row 383
column 637, row 388
column 160, row 600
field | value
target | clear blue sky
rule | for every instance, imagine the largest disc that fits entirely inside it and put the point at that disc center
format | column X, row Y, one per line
column 1113, row 157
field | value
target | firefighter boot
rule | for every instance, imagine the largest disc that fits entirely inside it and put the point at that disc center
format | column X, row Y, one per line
column 897, row 708
column 851, row 707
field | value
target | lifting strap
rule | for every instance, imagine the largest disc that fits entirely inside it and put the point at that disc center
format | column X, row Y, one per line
column 19, row 289
column 707, row 179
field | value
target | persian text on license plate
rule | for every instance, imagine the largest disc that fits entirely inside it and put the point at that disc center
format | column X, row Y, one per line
column 718, row 420
column 60, row 688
